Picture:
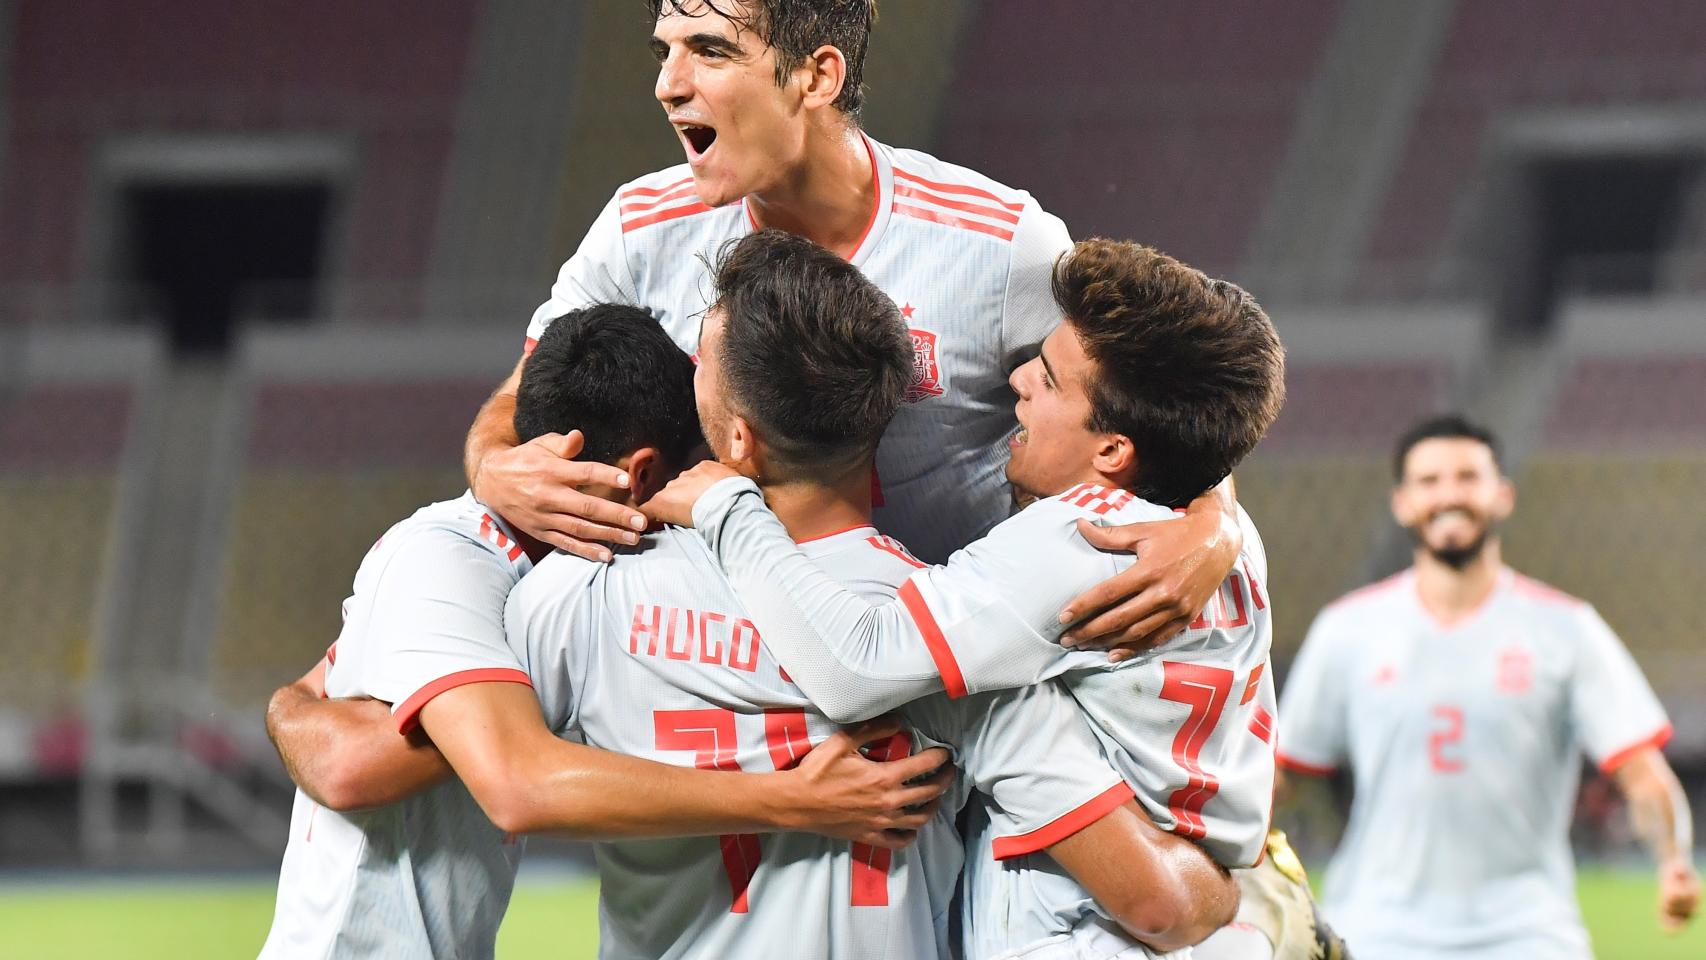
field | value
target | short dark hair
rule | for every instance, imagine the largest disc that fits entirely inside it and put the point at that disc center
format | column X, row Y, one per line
column 795, row 28
column 610, row 372
column 813, row 354
column 1190, row 368
column 1444, row 426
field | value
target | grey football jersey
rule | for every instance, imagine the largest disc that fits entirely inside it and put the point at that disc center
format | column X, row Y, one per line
column 1464, row 743
column 430, row 876
column 652, row 655
column 968, row 261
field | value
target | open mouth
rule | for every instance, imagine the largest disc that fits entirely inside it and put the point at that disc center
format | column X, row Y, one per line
column 1019, row 438
column 697, row 138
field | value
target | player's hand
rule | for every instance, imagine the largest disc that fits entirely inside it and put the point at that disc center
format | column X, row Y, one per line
column 533, row 486
column 1180, row 564
column 1679, row 894
column 674, row 503
column 844, row 794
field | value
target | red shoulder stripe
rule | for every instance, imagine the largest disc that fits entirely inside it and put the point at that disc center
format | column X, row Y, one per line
column 913, row 193
column 637, row 205
column 1544, row 592
column 959, row 188
column 890, row 545
column 1379, row 586
column 654, row 191
column 673, row 213
column 949, row 220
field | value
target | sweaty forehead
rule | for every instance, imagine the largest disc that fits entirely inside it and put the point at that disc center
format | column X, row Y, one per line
column 728, row 18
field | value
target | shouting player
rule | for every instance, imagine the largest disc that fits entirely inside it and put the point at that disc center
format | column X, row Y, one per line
column 1462, row 694
column 1158, row 382
column 431, row 875
column 765, row 97
column 802, row 363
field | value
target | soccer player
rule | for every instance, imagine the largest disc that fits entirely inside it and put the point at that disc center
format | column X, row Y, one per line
column 765, row 96
column 1158, row 382
column 431, row 875
column 1462, row 694
column 802, row 363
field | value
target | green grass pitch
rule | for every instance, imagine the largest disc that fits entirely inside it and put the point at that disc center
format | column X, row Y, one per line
column 156, row 921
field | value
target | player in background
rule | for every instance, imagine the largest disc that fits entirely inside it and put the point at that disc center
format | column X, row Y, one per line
column 1158, row 382
column 1462, row 694
column 765, row 97
column 431, row 875
column 803, row 361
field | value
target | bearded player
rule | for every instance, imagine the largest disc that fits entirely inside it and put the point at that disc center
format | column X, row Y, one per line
column 764, row 96
column 1462, row 694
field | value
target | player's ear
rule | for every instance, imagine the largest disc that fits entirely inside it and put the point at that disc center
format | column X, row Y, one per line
column 822, row 74
column 1505, row 503
column 743, row 442
column 646, row 474
column 1115, row 458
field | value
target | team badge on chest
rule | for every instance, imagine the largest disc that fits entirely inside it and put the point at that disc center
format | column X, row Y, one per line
column 1516, row 670
column 926, row 367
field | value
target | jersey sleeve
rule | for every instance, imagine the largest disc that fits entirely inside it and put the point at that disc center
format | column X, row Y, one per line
column 1312, row 733
column 597, row 273
column 985, row 621
column 543, row 622
column 436, row 622
column 1612, row 707
column 1028, row 310
column 1032, row 754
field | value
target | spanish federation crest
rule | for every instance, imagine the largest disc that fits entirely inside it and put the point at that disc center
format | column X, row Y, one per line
column 926, row 367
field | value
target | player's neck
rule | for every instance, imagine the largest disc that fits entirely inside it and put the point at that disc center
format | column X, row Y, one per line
column 828, row 196
column 1451, row 595
column 812, row 510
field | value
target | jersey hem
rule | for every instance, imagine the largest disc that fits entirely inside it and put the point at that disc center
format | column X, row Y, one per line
column 1104, row 803
column 1304, row 766
column 408, row 716
column 1617, row 758
column 953, row 680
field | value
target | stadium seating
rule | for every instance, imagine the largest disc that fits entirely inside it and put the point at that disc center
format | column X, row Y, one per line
column 1180, row 152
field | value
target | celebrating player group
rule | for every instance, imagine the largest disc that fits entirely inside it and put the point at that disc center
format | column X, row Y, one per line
column 854, row 559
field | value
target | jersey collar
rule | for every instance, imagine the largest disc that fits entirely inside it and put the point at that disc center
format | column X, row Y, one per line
column 882, row 177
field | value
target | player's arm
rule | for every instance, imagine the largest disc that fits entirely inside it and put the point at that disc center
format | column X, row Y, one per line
column 1659, row 809
column 345, row 754
column 1180, row 564
column 528, row 780
column 1162, row 889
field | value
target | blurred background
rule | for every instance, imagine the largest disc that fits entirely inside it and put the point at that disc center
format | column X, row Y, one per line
column 260, row 263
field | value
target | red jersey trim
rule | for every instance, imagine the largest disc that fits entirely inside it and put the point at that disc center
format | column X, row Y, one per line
column 332, row 653
column 408, row 716
column 1301, row 766
column 527, row 348
column 1104, row 803
column 655, row 191
column 1262, row 724
column 673, row 213
column 949, row 220
column 953, row 681
column 1658, row 738
column 638, row 205
column 913, row 193
column 959, row 188
column 893, row 547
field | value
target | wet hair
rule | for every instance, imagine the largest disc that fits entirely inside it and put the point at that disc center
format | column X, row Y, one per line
column 795, row 28
column 1445, row 426
column 612, row 373
column 1189, row 368
column 813, row 354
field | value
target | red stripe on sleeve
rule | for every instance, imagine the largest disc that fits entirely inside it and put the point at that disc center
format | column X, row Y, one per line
column 672, row 213
column 1299, row 766
column 1104, row 803
column 1618, row 758
column 953, row 681
column 409, row 714
column 946, row 219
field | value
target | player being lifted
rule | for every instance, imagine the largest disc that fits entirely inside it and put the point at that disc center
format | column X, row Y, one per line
column 802, row 363
column 430, row 873
column 1158, row 382
column 765, row 97
column 1462, row 695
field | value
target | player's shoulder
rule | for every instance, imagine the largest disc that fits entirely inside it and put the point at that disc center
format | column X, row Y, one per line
column 918, row 170
column 1374, row 599
column 1544, row 596
column 1555, row 612
column 976, row 207
column 1101, row 504
column 667, row 202
column 461, row 528
column 864, row 560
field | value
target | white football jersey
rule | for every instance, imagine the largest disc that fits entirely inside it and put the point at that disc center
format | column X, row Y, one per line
column 652, row 655
column 1464, row 744
column 968, row 261
column 430, row 876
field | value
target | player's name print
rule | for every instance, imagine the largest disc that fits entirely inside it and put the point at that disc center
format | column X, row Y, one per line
column 699, row 636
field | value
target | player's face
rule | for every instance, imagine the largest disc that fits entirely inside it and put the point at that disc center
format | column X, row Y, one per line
column 1452, row 497
column 1054, row 446
column 717, row 83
